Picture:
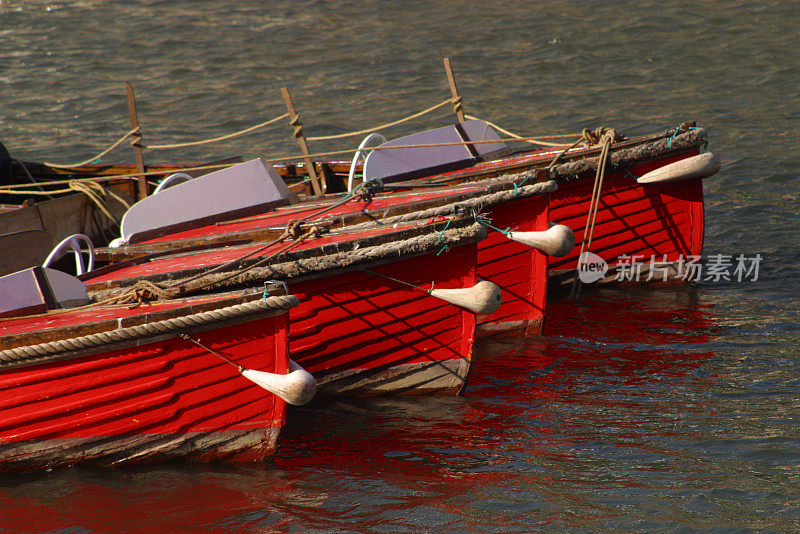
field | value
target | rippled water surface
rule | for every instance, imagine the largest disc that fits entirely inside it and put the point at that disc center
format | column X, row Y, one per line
column 654, row 409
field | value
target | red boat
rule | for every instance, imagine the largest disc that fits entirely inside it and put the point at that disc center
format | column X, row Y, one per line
column 109, row 384
column 382, row 310
column 627, row 200
column 518, row 268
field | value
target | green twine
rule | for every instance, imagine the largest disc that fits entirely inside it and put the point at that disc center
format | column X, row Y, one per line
column 517, row 186
column 677, row 131
column 266, row 306
column 489, row 225
column 441, row 236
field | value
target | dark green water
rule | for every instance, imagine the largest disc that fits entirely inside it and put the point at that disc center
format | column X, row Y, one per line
column 640, row 410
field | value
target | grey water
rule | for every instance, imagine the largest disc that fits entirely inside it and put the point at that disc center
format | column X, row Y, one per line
column 645, row 409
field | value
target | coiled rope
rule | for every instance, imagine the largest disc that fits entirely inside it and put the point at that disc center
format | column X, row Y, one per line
column 35, row 353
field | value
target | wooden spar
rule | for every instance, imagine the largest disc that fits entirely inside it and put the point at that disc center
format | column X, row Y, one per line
column 454, row 89
column 137, row 142
column 301, row 140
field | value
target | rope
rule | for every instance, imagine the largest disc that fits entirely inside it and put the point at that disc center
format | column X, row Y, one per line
column 298, row 126
column 312, row 233
column 141, row 292
column 588, row 232
column 475, row 204
column 97, row 157
column 387, row 125
column 532, row 140
column 216, row 139
column 292, row 230
column 51, row 349
column 337, row 261
column 97, row 194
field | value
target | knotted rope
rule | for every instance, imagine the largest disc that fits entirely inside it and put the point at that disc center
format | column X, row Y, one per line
column 298, row 126
column 98, row 194
column 599, row 135
column 142, row 291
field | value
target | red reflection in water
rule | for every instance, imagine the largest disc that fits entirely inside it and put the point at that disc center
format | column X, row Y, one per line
column 533, row 416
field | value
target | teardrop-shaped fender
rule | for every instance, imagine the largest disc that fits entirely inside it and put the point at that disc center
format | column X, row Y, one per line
column 297, row 387
column 483, row 298
column 558, row 240
column 699, row 166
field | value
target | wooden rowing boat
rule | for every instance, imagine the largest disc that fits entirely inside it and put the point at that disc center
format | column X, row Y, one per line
column 649, row 194
column 108, row 384
column 368, row 322
column 518, row 269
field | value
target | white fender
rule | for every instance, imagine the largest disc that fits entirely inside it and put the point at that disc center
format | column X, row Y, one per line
column 483, row 298
column 558, row 240
column 297, row 387
column 700, row 166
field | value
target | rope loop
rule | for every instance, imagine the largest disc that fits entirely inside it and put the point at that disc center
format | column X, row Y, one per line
column 293, row 229
column 457, row 104
column 595, row 137
column 368, row 189
column 298, row 126
column 143, row 291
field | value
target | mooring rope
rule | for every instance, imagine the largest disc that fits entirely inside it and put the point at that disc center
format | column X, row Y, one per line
column 217, row 139
column 98, row 156
column 32, row 353
column 387, row 125
column 608, row 137
column 475, row 204
column 97, row 194
column 204, row 281
column 532, row 140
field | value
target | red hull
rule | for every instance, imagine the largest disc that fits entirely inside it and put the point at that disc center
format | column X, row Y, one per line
column 519, row 270
column 358, row 333
column 164, row 398
column 663, row 221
